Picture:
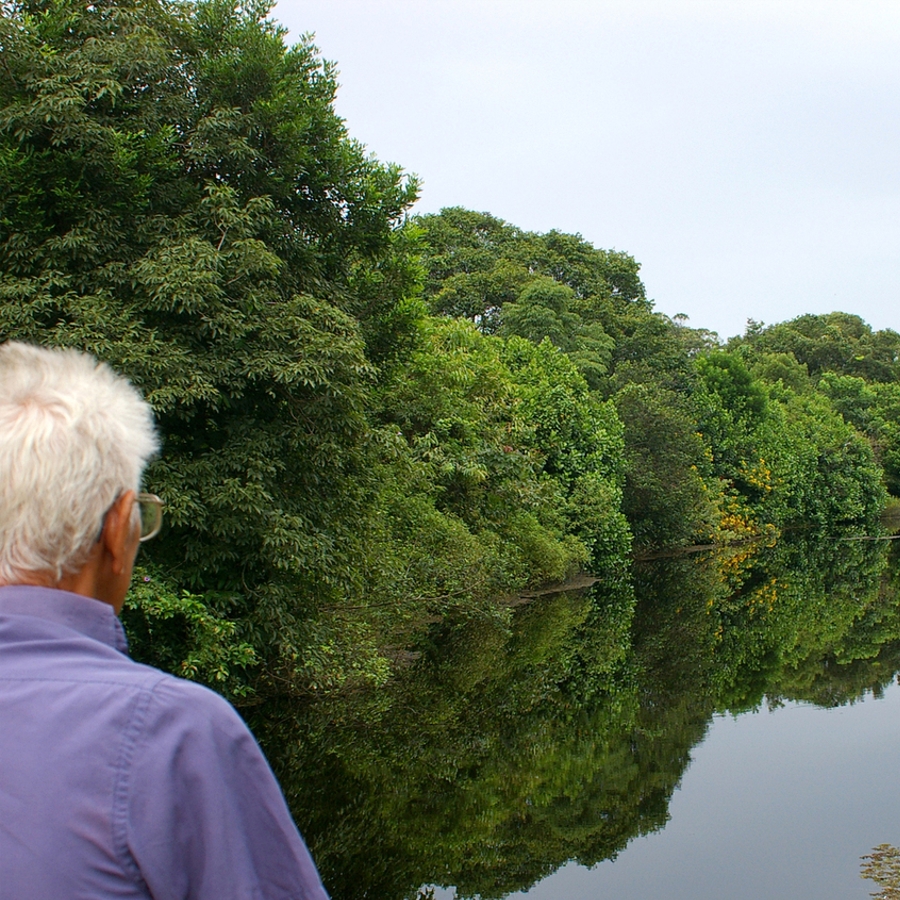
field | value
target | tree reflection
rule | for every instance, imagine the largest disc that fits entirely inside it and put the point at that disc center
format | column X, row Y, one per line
column 504, row 750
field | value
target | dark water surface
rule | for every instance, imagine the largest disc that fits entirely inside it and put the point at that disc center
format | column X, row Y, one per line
column 725, row 725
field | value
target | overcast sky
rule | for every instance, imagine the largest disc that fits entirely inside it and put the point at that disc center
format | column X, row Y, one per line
column 745, row 152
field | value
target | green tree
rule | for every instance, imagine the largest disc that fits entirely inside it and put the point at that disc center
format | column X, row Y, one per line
column 544, row 309
column 736, row 392
column 469, row 433
column 822, row 470
column 178, row 197
column 732, row 412
column 781, row 369
column 472, row 269
column 541, row 311
column 476, row 264
column 666, row 499
column 835, row 342
column 578, row 441
column 873, row 408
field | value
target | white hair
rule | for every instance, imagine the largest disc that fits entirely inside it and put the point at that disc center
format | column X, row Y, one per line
column 73, row 436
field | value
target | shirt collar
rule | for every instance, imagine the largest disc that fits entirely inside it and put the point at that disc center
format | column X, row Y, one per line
column 92, row 618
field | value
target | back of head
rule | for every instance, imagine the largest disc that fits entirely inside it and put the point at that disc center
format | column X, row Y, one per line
column 73, row 436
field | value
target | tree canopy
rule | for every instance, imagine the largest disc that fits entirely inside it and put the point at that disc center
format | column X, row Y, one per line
column 383, row 432
column 372, row 422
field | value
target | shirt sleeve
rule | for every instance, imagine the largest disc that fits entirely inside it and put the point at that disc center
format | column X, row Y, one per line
column 203, row 816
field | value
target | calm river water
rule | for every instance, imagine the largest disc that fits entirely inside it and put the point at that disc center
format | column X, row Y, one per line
column 725, row 725
column 778, row 804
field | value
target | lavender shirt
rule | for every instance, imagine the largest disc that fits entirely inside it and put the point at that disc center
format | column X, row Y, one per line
column 117, row 780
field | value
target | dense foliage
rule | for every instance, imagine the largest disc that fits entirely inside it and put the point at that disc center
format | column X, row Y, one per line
column 178, row 197
column 373, row 424
column 720, row 444
column 381, row 432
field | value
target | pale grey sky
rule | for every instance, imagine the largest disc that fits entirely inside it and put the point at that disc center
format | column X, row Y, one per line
column 745, row 152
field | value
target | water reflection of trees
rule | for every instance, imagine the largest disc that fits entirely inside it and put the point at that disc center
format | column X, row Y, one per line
column 504, row 751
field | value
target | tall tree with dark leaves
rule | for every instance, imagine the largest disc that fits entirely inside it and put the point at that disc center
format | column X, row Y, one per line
column 178, row 197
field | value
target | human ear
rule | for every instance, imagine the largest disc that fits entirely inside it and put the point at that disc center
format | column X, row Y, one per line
column 121, row 534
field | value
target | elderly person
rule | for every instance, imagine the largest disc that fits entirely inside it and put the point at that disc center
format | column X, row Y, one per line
column 116, row 779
